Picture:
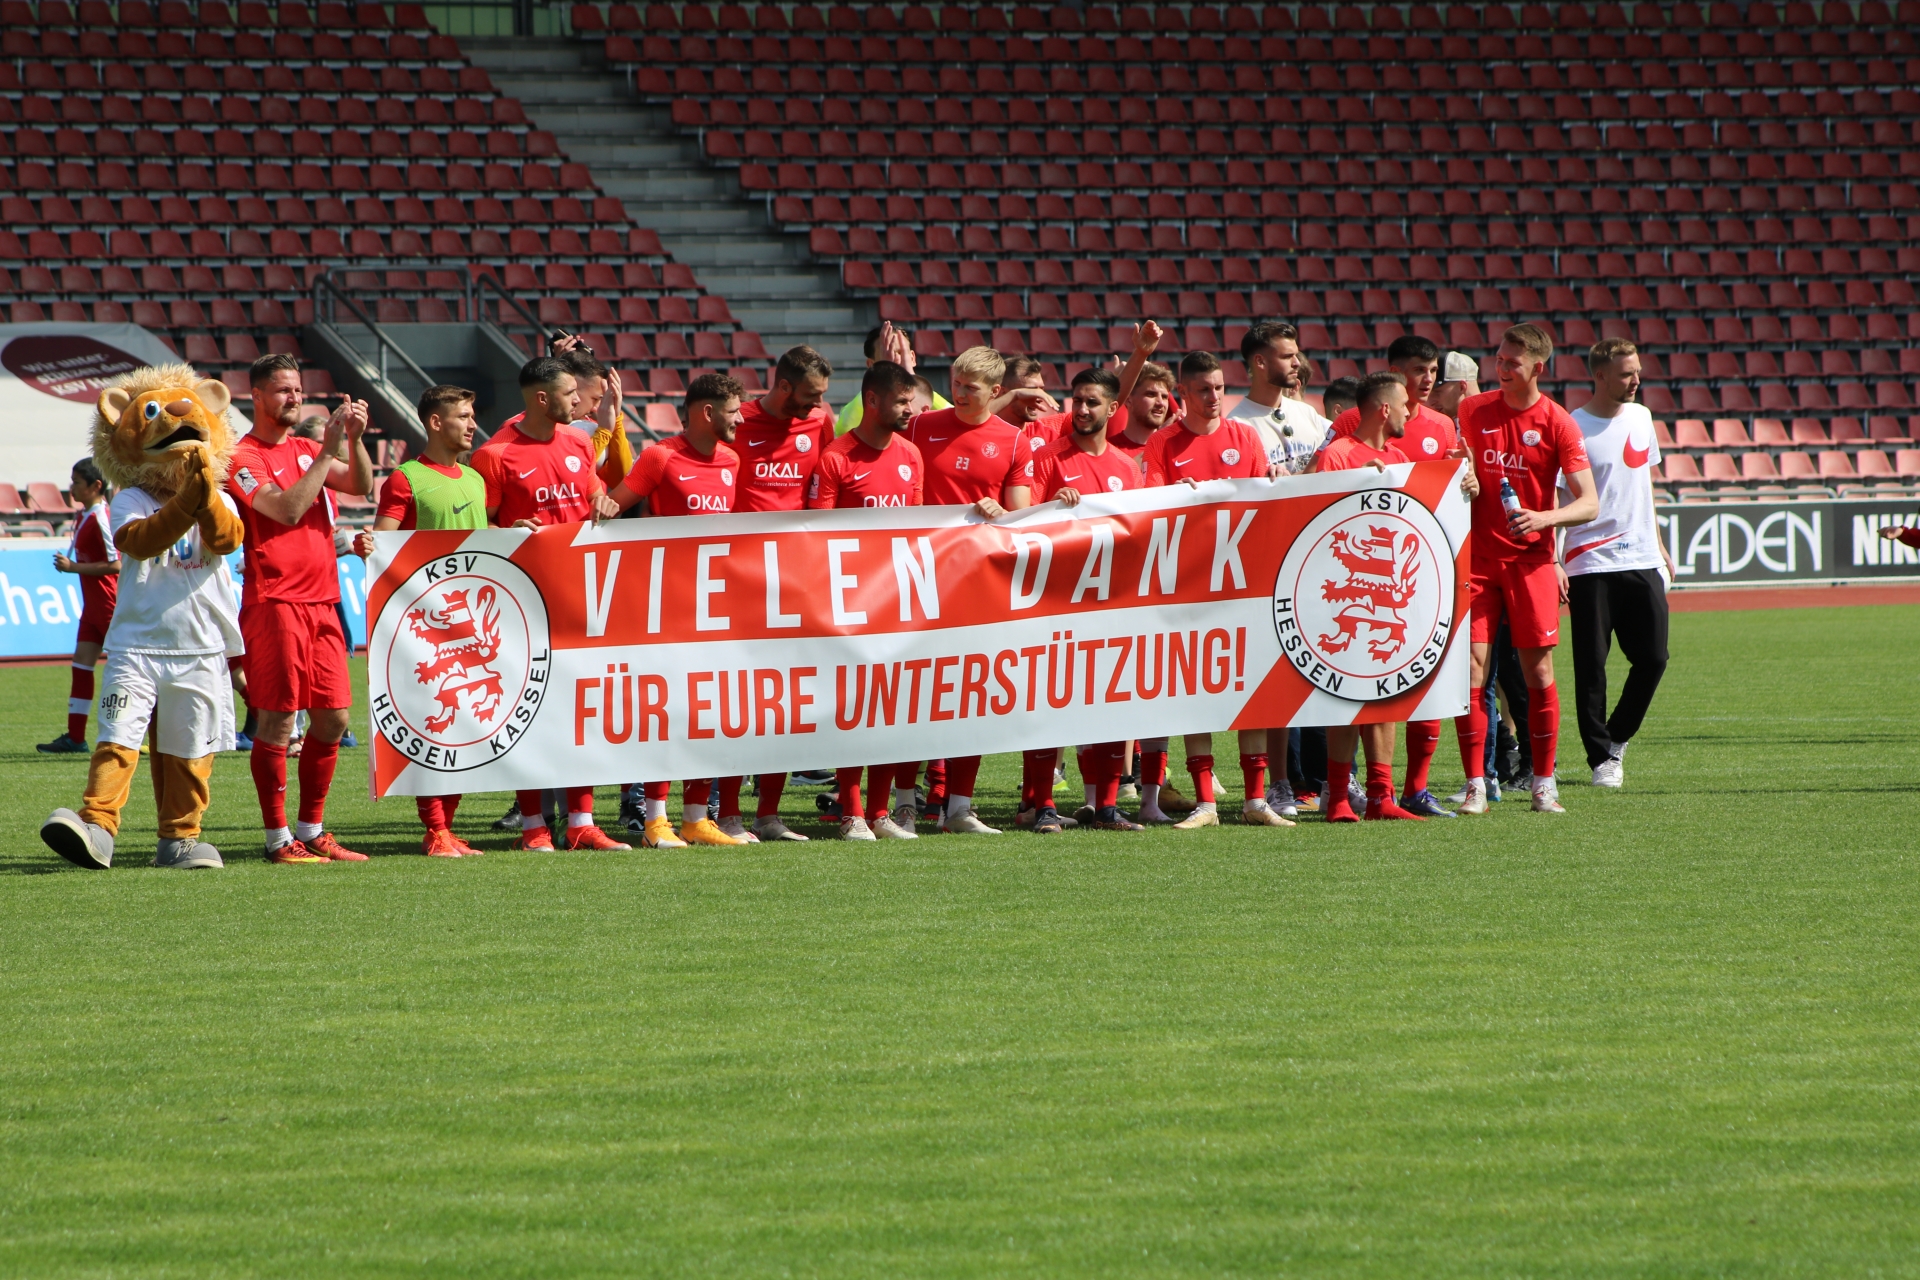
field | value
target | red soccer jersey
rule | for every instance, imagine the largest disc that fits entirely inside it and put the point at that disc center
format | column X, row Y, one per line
column 1429, row 435
column 294, row 563
column 551, row 481
column 852, row 473
column 1048, row 427
column 965, row 464
column 1065, row 465
column 396, row 495
column 778, row 455
column 1350, row 452
column 91, row 545
column 1529, row 448
column 1233, row 451
column 677, row 480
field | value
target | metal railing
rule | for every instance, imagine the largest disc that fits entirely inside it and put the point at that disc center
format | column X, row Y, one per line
column 498, row 18
column 329, row 294
column 480, row 286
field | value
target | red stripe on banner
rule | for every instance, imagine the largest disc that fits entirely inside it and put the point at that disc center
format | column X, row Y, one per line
column 388, row 764
column 419, row 548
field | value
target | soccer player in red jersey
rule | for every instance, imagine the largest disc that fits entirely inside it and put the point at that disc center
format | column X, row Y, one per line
column 541, row 472
column 694, row 473
column 1081, row 462
column 1521, row 441
column 781, row 439
column 1045, row 428
column 874, row 465
column 1203, row 445
column 972, row 456
column 1382, row 408
column 1428, row 435
column 296, row 657
column 92, row 557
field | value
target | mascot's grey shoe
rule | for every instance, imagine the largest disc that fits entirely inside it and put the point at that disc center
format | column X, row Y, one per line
column 188, row 853
column 78, row 841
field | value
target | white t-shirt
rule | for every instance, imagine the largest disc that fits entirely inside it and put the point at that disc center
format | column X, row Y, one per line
column 1291, row 430
column 181, row 601
column 1624, row 535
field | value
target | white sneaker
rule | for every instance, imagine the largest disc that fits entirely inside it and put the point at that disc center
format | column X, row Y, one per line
column 855, row 828
column 1357, row 795
column 1209, row 817
column 1129, row 791
column 1546, row 796
column 886, row 827
column 1472, row 800
column 736, row 826
column 1612, row 771
column 770, row 829
column 1280, row 800
column 1260, row 814
column 966, row 824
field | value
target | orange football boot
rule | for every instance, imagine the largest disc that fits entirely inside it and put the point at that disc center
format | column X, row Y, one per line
column 332, row 850
column 294, row 852
column 540, row 840
column 439, row 844
column 592, row 838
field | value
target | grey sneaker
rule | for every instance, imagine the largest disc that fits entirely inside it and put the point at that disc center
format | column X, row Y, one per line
column 82, row 843
column 772, row 829
column 1280, row 800
column 906, row 817
column 887, row 827
column 736, row 827
column 187, row 853
column 855, row 828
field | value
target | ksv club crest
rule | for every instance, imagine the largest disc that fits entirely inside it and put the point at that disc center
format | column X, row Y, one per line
column 1363, row 604
column 467, row 661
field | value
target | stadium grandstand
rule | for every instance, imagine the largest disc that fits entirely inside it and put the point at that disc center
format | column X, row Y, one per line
column 1734, row 187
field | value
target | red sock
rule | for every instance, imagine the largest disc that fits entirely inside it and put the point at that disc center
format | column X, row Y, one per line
column 937, row 782
column 1339, row 777
column 1543, row 726
column 530, row 805
column 269, row 765
column 1036, row 779
column 881, row 780
column 1153, row 767
column 1103, row 765
column 449, row 805
column 433, row 815
column 1472, row 731
column 770, row 786
column 79, row 690
column 1200, row 768
column 694, row 791
column 316, row 778
column 1423, row 739
column 1253, row 773
column 847, row 783
column 579, row 800
column 1379, row 781
column 961, row 774
column 730, row 796
column 662, row 791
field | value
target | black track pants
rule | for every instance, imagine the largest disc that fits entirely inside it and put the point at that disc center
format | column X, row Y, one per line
column 1632, row 605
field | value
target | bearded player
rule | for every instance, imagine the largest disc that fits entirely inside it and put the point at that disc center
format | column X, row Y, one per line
column 540, row 472
column 874, row 465
column 694, row 473
column 1079, row 462
column 296, row 657
column 1521, row 441
column 1205, row 444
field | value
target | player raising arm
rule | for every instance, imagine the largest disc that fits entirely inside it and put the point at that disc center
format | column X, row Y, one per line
column 1520, row 441
column 539, row 472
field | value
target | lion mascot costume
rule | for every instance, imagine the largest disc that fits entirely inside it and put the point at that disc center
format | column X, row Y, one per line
column 161, row 436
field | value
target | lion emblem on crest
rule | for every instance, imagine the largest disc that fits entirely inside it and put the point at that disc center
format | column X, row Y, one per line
column 466, row 645
column 1382, row 575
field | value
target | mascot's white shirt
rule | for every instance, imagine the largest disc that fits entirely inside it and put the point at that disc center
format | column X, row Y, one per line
column 181, row 601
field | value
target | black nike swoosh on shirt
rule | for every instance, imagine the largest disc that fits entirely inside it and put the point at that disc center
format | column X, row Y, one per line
column 462, row 507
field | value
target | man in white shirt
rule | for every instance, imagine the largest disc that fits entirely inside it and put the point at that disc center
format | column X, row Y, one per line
column 1617, row 567
column 1291, row 430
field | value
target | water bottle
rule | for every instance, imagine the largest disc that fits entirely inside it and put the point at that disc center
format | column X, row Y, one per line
column 1510, row 503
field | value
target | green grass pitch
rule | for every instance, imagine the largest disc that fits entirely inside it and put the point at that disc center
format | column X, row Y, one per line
column 1673, row 1033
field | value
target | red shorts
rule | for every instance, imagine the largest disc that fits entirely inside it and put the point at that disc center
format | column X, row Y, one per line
column 296, row 657
column 94, row 623
column 1525, row 593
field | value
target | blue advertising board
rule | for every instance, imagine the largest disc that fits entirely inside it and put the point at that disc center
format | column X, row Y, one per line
column 40, row 606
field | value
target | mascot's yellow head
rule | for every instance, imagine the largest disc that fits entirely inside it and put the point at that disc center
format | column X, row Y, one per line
column 156, row 423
